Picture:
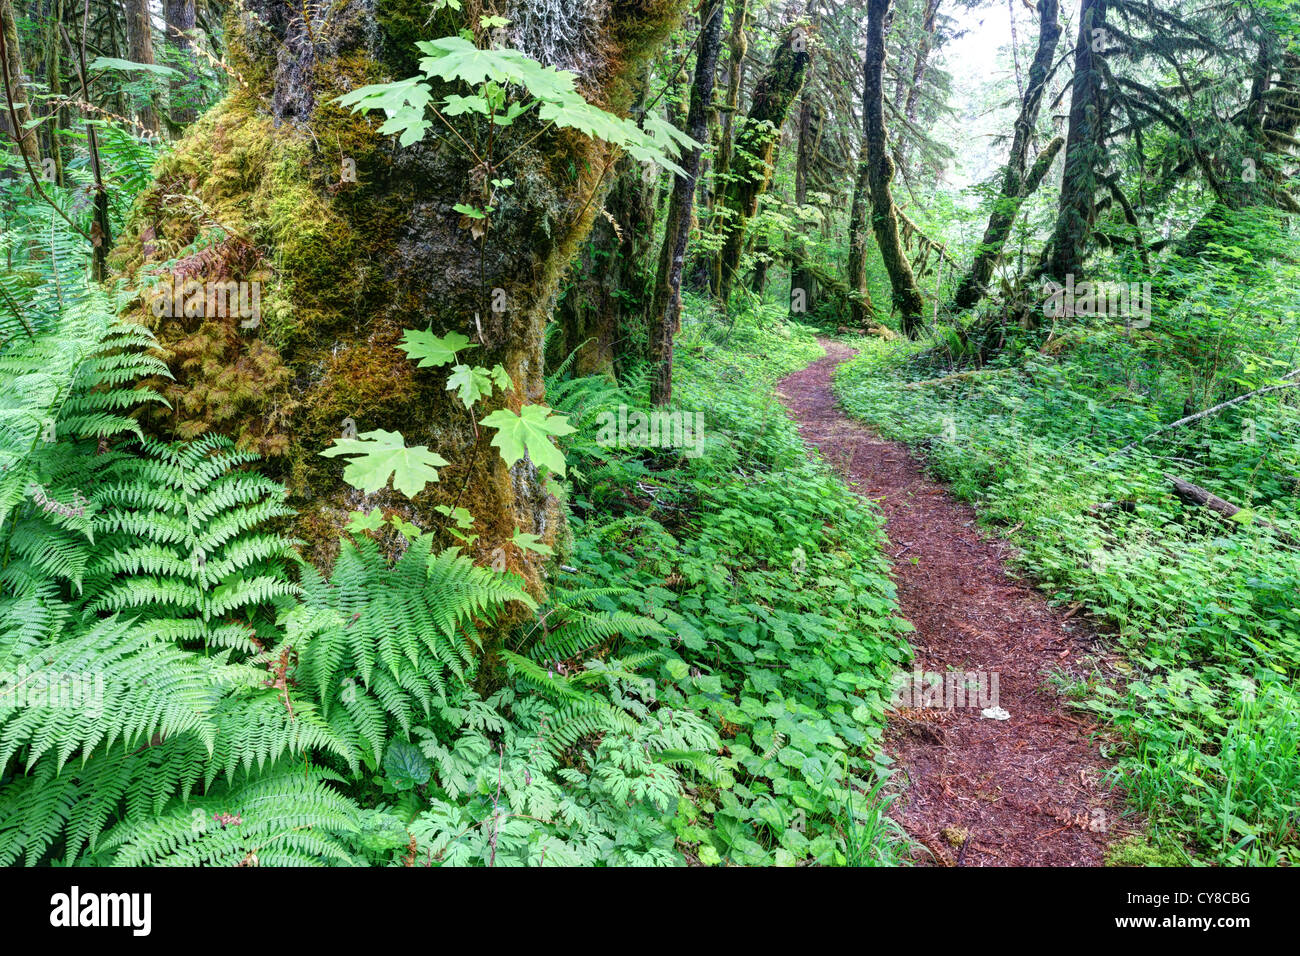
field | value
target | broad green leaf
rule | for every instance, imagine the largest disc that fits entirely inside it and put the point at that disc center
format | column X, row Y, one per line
column 405, row 528
column 459, row 105
column 432, row 350
column 471, row 383
column 460, row 515
column 379, row 454
column 406, row 766
column 129, row 66
column 372, row 520
column 530, row 431
column 529, row 542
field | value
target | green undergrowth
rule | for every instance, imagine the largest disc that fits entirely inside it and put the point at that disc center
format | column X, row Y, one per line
column 768, row 578
column 1204, row 610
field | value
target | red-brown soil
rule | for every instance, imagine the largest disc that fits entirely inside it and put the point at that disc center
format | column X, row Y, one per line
column 973, row 791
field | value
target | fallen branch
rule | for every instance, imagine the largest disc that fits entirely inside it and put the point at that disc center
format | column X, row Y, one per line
column 1187, row 420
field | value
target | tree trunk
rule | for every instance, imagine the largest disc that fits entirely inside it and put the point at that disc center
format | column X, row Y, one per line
column 1083, row 147
column 17, row 107
column 180, row 19
column 666, row 303
column 605, row 303
column 755, row 142
column 803, row 287
column 860, row 308
column 346, row 267
column 884, row 219
column 1014, row 185
column 921, row 61
column 738, row 44
column 139, row 49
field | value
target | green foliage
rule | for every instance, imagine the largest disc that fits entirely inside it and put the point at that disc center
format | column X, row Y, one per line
column 529, row 432
column 778, row 609
column 376, row 456
column 491, row 73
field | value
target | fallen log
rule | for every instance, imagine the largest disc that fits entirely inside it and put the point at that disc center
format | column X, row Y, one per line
column 1197, row 496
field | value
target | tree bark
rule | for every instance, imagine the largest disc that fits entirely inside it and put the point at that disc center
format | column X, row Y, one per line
column 1014, row 185
column 1083, row 148
column 755, row 142
column 666, row 303
column 738, row 45
column 606, row 301
column 16, row 93
column 180, row 19
column 884, row 219
column 346, row 267
column 803, row 286
column 860, row 308
column 139, row 49
column 921, row 61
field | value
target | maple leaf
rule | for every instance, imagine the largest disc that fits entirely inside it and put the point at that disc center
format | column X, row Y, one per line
column 530, row 431
column 377, row 455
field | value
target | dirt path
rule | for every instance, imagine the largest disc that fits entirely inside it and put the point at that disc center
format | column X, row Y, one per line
column 1026, row 791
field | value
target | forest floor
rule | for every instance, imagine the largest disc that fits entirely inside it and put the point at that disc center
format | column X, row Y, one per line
column 1030, row 790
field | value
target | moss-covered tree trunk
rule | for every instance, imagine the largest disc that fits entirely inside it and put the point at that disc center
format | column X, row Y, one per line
column 880, row 171
column 604, row 304
column 666, row 302
column 860, row 308
column 755, row 143
column 803, row 286
column 139, row 49
column 1083, row 147
column 738, row 48
column 1015, row 186
column 921, row 61
column 602, row 308
column 16, row 110
column 261, row 190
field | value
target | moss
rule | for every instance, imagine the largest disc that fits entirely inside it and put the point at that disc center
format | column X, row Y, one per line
column 1140, row 849
column 347, row 266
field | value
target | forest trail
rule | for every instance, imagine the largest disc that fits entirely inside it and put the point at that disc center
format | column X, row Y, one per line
column 1025, row 791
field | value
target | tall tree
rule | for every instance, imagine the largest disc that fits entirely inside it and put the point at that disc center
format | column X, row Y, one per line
column 1084, row 145
column 666, row 302
column 16, row 111
column 738, row 47
column 880, row 171
column 139, row 49
column 755, row 143
column 605, row 302
column 803, row 285
column 860, row 308
column 1015, row 185
column 179, row 16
